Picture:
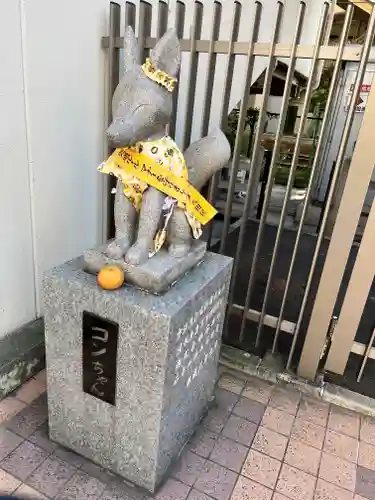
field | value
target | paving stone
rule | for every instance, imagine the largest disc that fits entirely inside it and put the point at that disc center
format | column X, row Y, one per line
column 230, row 383
column 119, row 490
column 341, row 445
column 279, row 496
column 328, row 491
column 366, row 455
column 250, row 410
column 225, row 400
column 40, row 438
column 30, row 390
column 338, row 471
column 258, row 390
column 270, row 443
column 9, row 407
column 246, row 489
column 69, row 456
column 188, row 468
column 261, row 468
column 303, row 457
column 8, row 442
column 27, row 420
column 295, row 484
column 197, row 495
column 344, row 421
column 24, row 460
column 216, row 481
column 313, row 410
column 203, row 442
column 240, row 430
column 8, row 483
column 81, row 486
column 367, row 429
column 285, row 400
column 51, row 476
column 25, row 492
column 173, row 490
column 365, row 483
column 278, row 421
column 104, row 475
column 308, row 433
column 216, row 419
column 229, row 454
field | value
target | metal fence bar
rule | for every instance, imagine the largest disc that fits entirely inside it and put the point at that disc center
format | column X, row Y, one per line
column 275, row 155
column 269, row 320
column 130, row 16
column 356, row 295
column 366, row 356
column 319, row 148
column 196, row 30
column 326, row 52
column 144, row 29
column 235, row 25
column 240, row 125
column 162, row 19
column 211, row 66
column 113, row 67
column 255, row 155
column 180, row 23
column 346, row 222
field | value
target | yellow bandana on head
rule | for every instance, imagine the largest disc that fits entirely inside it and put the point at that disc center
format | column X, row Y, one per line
column 159, row 164
column 158, row 76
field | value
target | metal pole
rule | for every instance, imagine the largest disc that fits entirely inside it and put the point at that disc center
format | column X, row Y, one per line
column 325, row 123
column 340, row 157
column 293, row 166
column 240, row 125
column 226, row 96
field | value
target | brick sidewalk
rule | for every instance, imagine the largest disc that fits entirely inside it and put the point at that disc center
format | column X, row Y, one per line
column 261, row 442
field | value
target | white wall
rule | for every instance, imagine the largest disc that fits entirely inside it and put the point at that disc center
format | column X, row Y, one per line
column 51, row 129
column 17, row 297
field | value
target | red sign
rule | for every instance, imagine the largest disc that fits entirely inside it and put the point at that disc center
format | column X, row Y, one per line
column 364, row 88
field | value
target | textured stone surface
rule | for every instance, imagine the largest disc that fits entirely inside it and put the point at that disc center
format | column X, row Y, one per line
column 168, row 349
column 142, row 110
column 155, row 275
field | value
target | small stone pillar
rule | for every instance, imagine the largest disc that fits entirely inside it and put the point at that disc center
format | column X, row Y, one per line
column 130, row 374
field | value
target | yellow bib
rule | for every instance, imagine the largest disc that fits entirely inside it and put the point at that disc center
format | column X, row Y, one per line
column 159, row 164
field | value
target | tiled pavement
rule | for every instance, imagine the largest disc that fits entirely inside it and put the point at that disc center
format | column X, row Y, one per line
column 261, row 442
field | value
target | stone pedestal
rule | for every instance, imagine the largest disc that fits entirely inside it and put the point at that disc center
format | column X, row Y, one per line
column 130, row 374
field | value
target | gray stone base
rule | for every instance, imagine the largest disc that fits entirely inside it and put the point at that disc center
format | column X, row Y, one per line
column 157, row 274
column 167, row 356
column 21, row 356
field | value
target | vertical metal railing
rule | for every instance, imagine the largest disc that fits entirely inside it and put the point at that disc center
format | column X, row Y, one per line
column 254, row 158
column 144, row 29
column 231, row 48
column 113, row 72
column 195, row 34
column 241, row 122
column 235, row 24
column 324, row 303
column 325, row 123
column 179, row 27
column 162, row 19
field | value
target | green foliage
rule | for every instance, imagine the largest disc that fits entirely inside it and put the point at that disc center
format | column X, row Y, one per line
column 320, row 94
column 251, row 119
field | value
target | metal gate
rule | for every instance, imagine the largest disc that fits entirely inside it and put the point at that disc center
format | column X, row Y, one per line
column 301, row 271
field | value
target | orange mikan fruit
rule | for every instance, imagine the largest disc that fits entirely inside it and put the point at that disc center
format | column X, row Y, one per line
column 111, row 277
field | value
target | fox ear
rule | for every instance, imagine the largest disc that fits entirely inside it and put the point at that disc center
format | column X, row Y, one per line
column 130, row 49
column 166, row 53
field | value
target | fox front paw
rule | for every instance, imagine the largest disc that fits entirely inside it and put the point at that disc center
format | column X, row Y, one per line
column 137, row 254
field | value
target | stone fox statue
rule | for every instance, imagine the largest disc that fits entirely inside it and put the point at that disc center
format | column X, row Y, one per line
column 142, row 108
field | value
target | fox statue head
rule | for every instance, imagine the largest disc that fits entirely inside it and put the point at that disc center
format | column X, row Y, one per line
column 142, row 108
